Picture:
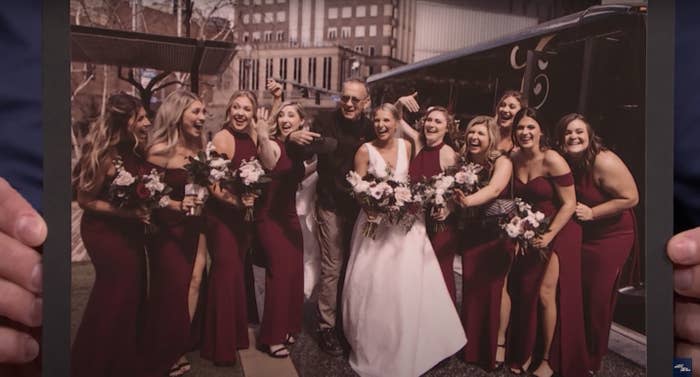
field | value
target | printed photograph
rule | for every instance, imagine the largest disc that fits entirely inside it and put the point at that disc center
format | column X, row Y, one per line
column 358, row 188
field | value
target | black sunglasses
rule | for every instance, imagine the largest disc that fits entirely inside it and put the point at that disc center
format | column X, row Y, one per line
column 355, row 100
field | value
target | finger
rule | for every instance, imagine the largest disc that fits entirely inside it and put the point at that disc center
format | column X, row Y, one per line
column 683, row 247
column 19, row 304
column 17, row 347
column 689, row 351
column 686, row 280
column 685, row 322
column 17, row 217
column 311, row 134
column 414, row 94
column 20, row 264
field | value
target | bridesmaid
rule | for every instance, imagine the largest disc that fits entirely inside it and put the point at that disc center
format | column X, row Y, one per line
column 226, row 320
column 510, row 103
column 114, row 239
column 279, row 232
column 432, row 154
column 606, row 192
column 543, row 178
column 486, row 257
column 177, row 253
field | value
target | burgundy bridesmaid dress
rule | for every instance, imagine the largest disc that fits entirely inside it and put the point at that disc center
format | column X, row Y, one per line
column 279, row 233
column 486, row 259
column 568, row 353
column 105, row 344
column 228, row 241
column 427, row 164
column 171, row 253
column 606, row 246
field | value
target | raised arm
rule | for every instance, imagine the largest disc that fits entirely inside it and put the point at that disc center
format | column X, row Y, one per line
column 613, row 177
column 268, row 151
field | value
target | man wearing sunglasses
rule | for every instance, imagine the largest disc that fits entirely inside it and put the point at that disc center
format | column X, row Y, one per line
column 334, row 137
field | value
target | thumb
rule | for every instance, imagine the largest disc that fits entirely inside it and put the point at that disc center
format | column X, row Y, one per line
column 414, row 94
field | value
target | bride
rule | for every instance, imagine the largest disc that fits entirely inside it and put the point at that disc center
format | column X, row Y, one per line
column 398, row 316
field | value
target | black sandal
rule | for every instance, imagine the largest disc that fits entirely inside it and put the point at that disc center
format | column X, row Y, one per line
column 498, row 365
column 276, row 353
column 289, row 340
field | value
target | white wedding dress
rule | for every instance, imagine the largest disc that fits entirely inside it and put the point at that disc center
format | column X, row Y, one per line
column 397, row 313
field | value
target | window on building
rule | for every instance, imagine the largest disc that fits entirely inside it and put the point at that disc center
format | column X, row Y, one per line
column 327, row 72
column 388, row 9
column 256, row 36
column 269, row 1
column 257, row 2
column 372, row 30
column 246, row 18
column 359, row 31
column 386, row 50
column 312, row 72
column 268, row 36
column 361, row 11
column 360, row 49
column 347, row 12
column 269, row 17
column 281, row 16
column 373, row 10
column 345, row 32
column 281, row 1
column 254, row 78
column 246, row 2
column 283, row 71
column 246, row 37
column 370, row 51
column 257, row 17
column 387, row 31
column 280, row 36
column 268, row 69
column 297, row 69
column 332, row 13
column 332, row 33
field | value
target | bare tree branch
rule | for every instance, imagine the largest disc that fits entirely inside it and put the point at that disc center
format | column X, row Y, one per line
column 81, row 86
column 167, row 84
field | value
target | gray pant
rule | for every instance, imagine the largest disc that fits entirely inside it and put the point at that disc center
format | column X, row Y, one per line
column 334, row 233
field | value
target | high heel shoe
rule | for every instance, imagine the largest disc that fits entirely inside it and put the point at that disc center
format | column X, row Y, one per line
column 498, row 365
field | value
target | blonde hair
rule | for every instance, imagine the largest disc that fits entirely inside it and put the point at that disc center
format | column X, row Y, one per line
column 241, row 93
column 492, row 130
column 167, row 127
column 103, row 135
column 274, row 127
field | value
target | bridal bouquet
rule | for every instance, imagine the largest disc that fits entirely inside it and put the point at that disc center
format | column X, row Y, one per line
column 152, row 191
column 122, row 190
column 204, row 169
column 249, row 178
column 466, row 177
column 523, row 225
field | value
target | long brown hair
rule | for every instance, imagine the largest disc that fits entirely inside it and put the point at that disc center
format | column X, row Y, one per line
column 530, row 113
column 274, row 126
column 452, row 131
column 509, row 93
column 106, row 133
column 595, row 143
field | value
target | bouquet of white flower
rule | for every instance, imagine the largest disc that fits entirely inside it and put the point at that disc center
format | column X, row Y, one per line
column 249, row 178
column 523, row 225
column 122, row 190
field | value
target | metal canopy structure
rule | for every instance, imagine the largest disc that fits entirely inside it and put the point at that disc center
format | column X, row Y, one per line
column 140, row 50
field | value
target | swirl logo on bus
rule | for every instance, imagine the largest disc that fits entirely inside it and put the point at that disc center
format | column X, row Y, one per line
column 540, row 83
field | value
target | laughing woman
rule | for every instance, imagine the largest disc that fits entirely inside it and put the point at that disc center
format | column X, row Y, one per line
column 114, row 239
column 543, row 178
column 606, row 193
column 177, row 250
column 280, row 234
column 432, row 154
column 486, row 257
column 398, row 316
column 226, row 321
column 510, row 103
